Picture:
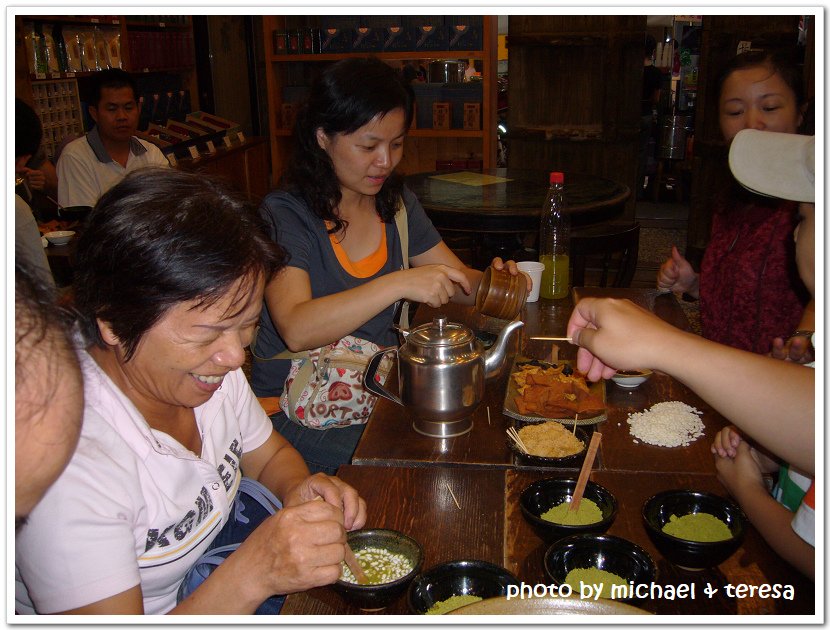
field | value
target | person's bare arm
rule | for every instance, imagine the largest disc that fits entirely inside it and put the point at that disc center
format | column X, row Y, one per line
column 306, row 323
column 771, row 401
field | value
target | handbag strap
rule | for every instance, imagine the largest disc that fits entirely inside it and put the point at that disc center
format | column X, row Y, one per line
column 402, row 223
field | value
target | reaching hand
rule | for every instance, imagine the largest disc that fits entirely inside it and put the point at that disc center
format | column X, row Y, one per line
column 726, row 442
column 797, row 349
column 334, row 492
column 740, row 474
column 36, row 179
column 676, row 274
column 616, row 335
column 434, row 284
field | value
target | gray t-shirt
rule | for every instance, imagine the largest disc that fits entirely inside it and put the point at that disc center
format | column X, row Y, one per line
column 303, row 235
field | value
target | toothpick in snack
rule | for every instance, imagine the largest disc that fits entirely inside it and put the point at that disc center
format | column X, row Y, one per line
column 488, row 414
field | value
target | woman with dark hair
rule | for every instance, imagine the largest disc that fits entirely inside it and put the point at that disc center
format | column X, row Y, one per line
column 335, row 214
column 169, row 282
column 750, row 294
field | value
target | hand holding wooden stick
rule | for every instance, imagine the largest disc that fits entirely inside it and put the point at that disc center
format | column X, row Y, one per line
column 351, row 560
column 587, row 465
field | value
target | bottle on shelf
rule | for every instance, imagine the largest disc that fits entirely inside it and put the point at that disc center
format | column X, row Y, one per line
column 554, row 241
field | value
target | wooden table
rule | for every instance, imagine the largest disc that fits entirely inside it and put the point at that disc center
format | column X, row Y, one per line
column 416, row 502
column 505, row 209
column 389, row 439
column 61, row 258
column 489, row 526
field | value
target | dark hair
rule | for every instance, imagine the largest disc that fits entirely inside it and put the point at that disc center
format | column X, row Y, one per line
column 114, row 78
column 779, row 62
column 161, row 237
column 40, row 327
column 650, row 45
column 27, row 129
column 346, row 96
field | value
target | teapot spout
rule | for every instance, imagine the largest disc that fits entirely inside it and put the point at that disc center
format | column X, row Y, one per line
column 495, row 356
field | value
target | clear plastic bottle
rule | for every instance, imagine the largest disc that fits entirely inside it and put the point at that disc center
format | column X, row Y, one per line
column 554, row 241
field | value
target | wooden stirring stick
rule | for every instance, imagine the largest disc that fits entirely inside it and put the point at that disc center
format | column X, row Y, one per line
column 587, row 465
column 351, row 560
column 354, row 566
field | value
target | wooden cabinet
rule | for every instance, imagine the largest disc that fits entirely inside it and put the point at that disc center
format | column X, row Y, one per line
column 574, row 94
column 423, row 146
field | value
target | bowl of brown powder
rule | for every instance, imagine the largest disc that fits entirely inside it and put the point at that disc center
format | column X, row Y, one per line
column 550, row 444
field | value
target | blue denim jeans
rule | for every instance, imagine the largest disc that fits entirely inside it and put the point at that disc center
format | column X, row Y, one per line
column 323, row 451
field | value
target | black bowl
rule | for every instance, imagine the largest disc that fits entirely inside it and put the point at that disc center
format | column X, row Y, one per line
column 542, row 495
column 686, row 553
column 570, row 461
column 602, row 551
column 458, row 577
column 377, row 596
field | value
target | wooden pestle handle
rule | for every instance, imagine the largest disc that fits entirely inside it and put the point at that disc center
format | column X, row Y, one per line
column 587, row 465
column 354, row 565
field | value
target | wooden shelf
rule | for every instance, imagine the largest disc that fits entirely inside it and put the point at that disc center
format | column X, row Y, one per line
column 396, row 55
column 424, row 146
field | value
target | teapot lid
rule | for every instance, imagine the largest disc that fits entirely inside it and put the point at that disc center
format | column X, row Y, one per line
column 440, row 332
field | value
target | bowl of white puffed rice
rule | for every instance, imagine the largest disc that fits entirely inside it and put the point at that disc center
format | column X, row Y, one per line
column 390, row 559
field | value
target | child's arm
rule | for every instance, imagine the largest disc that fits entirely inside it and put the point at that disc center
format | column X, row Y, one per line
column 742, row 477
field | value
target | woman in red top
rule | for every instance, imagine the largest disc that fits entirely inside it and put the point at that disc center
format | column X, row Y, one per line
column 750, row 294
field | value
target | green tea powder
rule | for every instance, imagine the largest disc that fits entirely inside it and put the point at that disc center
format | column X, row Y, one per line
column 698, row 527
column 594, row 577
column 587, row 514
column 450, row 604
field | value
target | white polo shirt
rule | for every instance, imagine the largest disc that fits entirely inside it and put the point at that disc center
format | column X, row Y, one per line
column 134, row 506
column 86, row 171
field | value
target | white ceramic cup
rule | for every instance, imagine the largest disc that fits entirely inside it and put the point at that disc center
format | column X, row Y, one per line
column 534, row 270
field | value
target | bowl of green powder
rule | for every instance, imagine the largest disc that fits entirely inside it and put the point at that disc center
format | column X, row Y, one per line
column 546, row 504
column 608, row 563
column 390, row 560
column 694, row 530
column 451, row 585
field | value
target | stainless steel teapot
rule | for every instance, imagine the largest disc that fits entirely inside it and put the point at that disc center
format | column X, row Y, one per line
column 441, row 373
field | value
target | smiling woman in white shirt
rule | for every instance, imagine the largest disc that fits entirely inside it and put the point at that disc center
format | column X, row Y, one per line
column 169, row 284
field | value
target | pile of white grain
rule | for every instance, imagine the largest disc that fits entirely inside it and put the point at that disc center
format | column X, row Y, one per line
column 670, row 423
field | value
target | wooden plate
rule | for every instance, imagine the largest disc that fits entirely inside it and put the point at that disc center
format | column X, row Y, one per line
column 510, row 409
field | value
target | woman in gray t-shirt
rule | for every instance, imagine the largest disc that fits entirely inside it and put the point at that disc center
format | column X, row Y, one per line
column 335, row 217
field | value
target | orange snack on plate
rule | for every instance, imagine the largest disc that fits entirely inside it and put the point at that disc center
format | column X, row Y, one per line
column 552, row 394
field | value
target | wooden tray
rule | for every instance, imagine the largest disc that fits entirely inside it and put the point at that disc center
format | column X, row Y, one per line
column 597, row 389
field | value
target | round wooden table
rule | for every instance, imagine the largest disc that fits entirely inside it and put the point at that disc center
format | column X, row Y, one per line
column 493, row 208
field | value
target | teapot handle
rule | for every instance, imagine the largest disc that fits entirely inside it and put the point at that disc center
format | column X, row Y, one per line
column 369, row 382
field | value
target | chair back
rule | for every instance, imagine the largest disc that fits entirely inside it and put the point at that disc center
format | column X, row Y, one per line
column 607, row 252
